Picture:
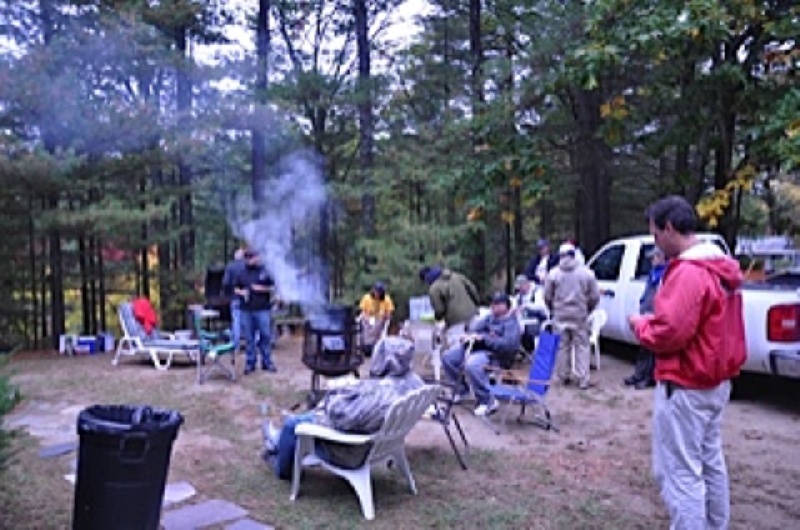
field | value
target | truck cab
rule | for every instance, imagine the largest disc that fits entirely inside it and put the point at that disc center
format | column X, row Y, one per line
column 621, row 268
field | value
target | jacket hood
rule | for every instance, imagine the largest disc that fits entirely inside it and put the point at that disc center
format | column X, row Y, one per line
column 567, row 263
column 713, row 259
column 392, row 357
column 432, row 274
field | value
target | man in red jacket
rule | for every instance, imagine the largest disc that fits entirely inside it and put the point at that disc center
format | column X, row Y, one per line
column 697, row 335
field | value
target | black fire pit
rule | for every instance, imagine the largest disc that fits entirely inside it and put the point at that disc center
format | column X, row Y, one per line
column 330, row 346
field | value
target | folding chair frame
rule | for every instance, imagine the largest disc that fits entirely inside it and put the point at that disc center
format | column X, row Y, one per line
column 131, row 345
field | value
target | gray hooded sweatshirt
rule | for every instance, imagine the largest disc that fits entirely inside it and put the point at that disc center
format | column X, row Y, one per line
column 571, row 293
column 361, row 408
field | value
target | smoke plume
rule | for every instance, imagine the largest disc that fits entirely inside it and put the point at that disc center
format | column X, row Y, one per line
column 283, row 227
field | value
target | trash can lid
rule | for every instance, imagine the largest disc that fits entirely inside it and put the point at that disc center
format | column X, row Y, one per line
column 119, row 419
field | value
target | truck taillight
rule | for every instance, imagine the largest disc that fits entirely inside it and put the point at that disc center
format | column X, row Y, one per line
column 783, row 323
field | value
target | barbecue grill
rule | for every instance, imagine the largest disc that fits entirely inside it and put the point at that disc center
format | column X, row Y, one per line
column 330, row 346
column 215, row 297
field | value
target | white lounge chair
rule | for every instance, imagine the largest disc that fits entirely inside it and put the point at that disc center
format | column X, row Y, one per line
column 387, row 445
column 156, row 344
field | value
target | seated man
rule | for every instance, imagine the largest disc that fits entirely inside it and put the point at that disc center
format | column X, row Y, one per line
column 530, row 309
column 495, row 339
column 358, row 408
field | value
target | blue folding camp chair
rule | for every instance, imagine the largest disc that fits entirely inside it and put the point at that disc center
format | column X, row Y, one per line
column 510, row 390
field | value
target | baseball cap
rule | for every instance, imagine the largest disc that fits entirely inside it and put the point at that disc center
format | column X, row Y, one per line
column 501, row 298
column 520, row 280
column 565, row 249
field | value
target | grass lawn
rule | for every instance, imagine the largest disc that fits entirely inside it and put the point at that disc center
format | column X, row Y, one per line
column 524, row 479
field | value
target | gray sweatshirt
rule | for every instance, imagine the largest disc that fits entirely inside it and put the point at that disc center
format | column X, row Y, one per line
column 571, row 292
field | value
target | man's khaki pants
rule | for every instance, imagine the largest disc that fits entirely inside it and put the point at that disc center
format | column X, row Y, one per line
column 577, row 338
column 688, row 463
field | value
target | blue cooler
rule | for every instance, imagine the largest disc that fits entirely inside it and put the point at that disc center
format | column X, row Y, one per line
column 86, row 344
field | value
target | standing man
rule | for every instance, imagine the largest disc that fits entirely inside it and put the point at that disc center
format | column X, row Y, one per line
column 255, row 286
column 541, row 263
column 644, row 371
column 232, row 270
column 454, row 299
column 571, row 293
column 697, row 335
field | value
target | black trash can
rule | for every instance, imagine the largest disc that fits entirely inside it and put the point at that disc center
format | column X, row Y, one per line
column 122, row 466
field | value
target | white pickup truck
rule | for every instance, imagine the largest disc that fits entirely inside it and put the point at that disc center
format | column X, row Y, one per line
column 771, row 312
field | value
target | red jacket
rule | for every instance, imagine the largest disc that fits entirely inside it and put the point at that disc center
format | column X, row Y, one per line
column 145, row 314
column 697, row 330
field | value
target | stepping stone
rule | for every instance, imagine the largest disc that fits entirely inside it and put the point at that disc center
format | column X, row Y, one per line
column 52, row 451
column 248, row 524
column 201, row 515
column 178, row 492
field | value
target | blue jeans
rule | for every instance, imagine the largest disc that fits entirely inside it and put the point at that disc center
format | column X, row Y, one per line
column 287, row 443
column 257, row 322
column 474, row 370
column 236, row 323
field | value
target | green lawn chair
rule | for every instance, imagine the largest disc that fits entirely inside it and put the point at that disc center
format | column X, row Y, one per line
column 215, row 347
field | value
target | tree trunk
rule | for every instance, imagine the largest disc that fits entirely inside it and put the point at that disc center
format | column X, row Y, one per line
column 365, row 117
column 83, row 267
column 57, row 309
column 258, row 149
column 478, row 243
column 590, row 159
column 184, row 100
column 101, row 285
column 33, row 271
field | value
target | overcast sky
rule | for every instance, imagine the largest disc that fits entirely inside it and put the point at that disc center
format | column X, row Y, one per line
column 400, row 30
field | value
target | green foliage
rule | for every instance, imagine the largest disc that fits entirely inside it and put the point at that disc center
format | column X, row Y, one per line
column 9, row 397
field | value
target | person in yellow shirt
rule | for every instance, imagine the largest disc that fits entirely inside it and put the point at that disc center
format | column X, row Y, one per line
column 376, row 312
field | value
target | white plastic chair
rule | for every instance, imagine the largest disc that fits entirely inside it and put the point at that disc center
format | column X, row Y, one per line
column 428, row 343
column 597, row 319
column 388, row 445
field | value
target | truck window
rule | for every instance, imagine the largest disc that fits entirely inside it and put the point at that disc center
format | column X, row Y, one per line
column 607, row 264
column 643, row 263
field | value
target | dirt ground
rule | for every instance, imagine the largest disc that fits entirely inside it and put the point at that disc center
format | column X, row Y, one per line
column 596, row 466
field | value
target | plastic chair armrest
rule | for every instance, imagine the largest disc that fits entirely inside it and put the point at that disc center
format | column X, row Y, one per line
column 326, row 433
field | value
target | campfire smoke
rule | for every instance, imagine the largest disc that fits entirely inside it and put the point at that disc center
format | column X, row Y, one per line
column 283, row 228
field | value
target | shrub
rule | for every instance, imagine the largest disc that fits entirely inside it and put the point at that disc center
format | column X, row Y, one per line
column 9, row 396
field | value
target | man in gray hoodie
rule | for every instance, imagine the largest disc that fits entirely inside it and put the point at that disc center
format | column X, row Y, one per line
column 571, row 293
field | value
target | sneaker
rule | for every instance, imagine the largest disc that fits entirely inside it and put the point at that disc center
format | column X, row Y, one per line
column 486, row 408
column 271, row 434
column 585, row 385
column 249, row 369
column 269, row 368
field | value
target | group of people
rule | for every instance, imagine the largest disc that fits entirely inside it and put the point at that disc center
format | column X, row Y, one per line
column 690, row 326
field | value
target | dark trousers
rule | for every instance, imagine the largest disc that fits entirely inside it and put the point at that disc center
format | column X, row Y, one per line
column 644, row 370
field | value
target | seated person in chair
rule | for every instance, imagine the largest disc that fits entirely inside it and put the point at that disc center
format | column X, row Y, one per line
column 495, row 340
column 376, row 310
column 530, row 309
column 358, row 408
